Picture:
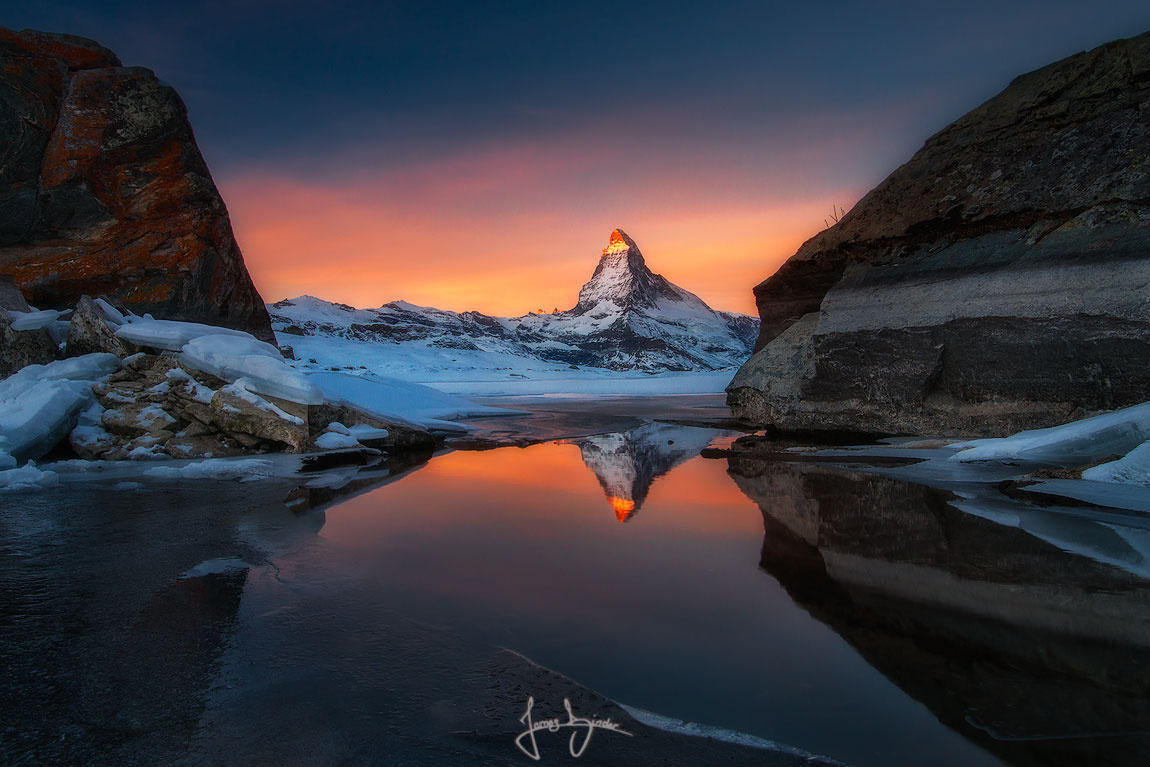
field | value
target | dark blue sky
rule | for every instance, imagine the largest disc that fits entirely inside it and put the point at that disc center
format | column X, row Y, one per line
column 272, row 79
column 744, row 104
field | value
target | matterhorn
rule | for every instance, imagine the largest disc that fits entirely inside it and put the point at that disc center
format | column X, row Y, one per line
column 626, row 318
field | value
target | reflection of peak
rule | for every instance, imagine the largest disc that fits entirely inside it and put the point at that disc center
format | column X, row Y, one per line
column 627, row 463
column 623, row 507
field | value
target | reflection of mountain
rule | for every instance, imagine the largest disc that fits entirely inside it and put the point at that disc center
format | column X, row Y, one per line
column 627, row 463
column 1038, row 655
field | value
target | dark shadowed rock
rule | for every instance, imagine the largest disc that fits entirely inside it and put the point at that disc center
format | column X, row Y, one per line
column 103, row 190
column 23, row 347
column 994, row 282
column 89, row 332
column 20, row 347
column 10, row 296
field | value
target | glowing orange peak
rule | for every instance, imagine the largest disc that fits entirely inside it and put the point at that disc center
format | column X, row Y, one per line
column 619, row 243
column 622, row 506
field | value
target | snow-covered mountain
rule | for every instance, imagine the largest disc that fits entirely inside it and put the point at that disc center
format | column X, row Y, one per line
column 626, row 318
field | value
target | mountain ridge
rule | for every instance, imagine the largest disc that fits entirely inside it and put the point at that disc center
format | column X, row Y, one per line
column 626, row 318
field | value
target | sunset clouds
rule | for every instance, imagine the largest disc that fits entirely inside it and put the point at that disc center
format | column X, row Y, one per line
column 477, row 155
column 510, row 229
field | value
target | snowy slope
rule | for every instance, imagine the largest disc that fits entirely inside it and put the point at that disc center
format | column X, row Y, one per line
column 626, row 319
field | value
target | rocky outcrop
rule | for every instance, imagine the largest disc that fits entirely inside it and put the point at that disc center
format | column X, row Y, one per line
column 89, row 332
column 20, row 347
column 997, row 281
column 104, row 192
column 23, row 347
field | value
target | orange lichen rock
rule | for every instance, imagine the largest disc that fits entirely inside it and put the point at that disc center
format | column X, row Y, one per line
column 104, row 191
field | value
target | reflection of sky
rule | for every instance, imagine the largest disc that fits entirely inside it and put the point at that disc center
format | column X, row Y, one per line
column 669, row 612
column 473, row 156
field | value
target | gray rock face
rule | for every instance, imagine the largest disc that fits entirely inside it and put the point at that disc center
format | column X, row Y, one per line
column 10, row 296
column 23, row 347
column 20, row 347
column 250, row 424
column 997, row 281
column 88, row 332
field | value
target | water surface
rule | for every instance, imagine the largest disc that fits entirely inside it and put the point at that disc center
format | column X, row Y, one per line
column 843, row 613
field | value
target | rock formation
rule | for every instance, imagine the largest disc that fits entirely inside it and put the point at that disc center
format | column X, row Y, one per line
column 20, row 347
column 997, row 281
column 104, row 192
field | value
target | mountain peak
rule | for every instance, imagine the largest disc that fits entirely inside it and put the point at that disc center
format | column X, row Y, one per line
column 621, row 278
column 619, row 243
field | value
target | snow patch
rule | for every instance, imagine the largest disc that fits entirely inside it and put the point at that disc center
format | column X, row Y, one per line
column 1133, row 468
column 27, row 477
column 390, row 399
column 332, row 440
column 40, row 404
column 1072, row 444
column 362, row 431
column 199, row 392
column 245, row 469
column 261, row 365
column 111, row 314
column 33, row 320
column 218, row 566
column 242, row 389
column 170, row 335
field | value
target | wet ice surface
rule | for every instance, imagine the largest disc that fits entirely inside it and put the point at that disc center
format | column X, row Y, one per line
column 358, row 617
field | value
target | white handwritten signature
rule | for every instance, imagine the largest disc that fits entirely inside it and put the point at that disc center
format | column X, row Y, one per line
column 584, row 728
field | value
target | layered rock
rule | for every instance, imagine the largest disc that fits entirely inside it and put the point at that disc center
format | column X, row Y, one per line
column 103, row 190
column 994, row 282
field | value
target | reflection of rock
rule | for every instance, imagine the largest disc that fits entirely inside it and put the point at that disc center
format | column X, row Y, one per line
column 1038, row 655
column 626, row 463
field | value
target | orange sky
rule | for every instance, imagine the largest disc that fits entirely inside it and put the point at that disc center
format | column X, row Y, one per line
column 511, row 229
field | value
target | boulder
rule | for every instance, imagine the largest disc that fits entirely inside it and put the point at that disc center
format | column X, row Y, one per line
column 89, row 332
column 23, row 347
column 249, row 419
column 134, row 419
column 11, row 298
column 103, row 190
column 993, row 283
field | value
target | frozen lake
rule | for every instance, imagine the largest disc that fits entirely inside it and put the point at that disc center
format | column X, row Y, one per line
column 366, row 617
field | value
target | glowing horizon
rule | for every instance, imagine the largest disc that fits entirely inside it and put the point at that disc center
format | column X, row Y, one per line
column 514, row 230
